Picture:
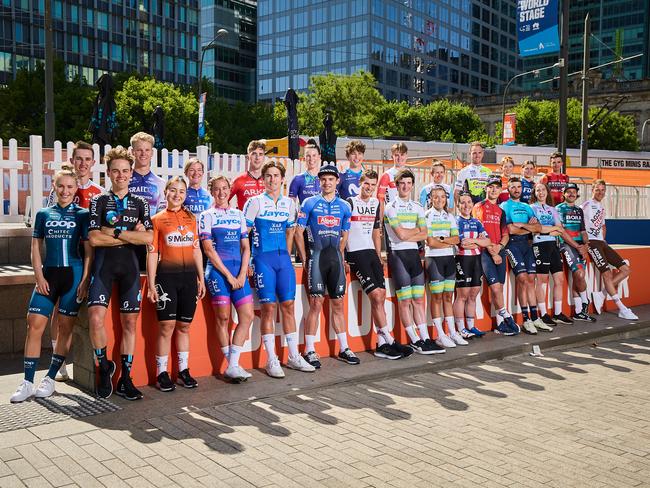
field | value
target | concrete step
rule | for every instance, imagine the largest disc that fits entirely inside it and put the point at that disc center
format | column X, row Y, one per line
column 15, row 244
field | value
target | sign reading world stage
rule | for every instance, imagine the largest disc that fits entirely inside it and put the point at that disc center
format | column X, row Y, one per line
column 537, row 27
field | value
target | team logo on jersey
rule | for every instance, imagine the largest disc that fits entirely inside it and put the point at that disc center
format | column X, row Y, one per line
column 64, row 224
column 328, row 221
column 112, row 217
column 176, row 239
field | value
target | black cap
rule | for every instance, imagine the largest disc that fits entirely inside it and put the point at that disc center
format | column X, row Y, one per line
column 571, row 186
column 328, row 169
column 494, row 180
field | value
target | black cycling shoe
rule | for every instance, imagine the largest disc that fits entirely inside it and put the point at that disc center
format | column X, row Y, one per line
column 127, row 390
column 164, row 382
column 185, row 379
column 105, row 385
column 405, row 350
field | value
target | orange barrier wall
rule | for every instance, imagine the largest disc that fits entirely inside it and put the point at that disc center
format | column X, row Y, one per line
column 205, row 353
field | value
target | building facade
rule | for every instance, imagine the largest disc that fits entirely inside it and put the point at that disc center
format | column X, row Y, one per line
column 229, row 61
column 158, row 38
column 417, row 50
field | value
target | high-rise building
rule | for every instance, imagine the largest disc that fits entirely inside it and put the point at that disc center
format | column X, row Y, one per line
column 229, row 60
column 619, row 28
column 158, row 38
column 416, row 49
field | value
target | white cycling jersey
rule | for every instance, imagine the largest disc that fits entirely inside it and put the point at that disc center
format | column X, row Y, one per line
column 365, row 218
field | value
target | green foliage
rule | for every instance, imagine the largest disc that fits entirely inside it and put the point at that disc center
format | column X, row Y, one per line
column 443, row 120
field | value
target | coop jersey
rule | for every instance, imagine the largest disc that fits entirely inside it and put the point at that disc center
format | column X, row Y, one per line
column 61, row 229
column 198, row 200
column 174, row 239
column 84, row 194
column 269, row 220
column 225, row 227
column 244, row 187
column 363, row 220
column 324, row 221
column 151, row 188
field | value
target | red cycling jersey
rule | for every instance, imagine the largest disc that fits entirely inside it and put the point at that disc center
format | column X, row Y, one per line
column 556, row 184
column 84, row 195
column 492, row 218
column 246, row 186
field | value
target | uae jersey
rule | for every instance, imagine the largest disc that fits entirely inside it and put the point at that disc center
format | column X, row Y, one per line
column 406, row 213
column 349, row 185
column 363, row 220
column 84, row 194
column 61, row 228
column 594, row 214
column 270, row 220
column 150, row 187
column 573, row 220
column 304, row 186
column 556, row 184
column 493, row 220
column 324, row 221
column 244, row 187
column 440, row 224
column 470, row 228
column 174, row 239
column 225, row 227
column 548, row 216
column 473, row 179
column 198, row 200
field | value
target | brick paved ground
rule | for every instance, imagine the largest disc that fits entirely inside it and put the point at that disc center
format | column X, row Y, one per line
column 572, row 418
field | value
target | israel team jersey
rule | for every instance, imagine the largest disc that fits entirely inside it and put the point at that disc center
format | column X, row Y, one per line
column 198, row 200
column 324, row 221
column 226, row 227
column 470, row 229
column 62, row 229
column 548, row 216
column 269, row 220
column 304, row 186
column 349, row 184
column 151, row 188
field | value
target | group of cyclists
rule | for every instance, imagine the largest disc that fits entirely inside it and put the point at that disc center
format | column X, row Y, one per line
column 190, row 241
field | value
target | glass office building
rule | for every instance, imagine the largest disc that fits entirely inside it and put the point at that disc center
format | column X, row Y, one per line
column 158, row 38
column 417, row 50
column 229, row 62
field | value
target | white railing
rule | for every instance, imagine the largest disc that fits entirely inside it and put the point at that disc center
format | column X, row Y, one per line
column 9, row 167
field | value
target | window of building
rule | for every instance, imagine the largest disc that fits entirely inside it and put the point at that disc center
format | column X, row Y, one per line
column 264, row 48
column 300, row 21
column 338, row 11
column 318, row 37
column 391, row 56
column 180, row 66
column 377, row 72
column 391, row 34
column 359, row 51
column 300, row 82
column 391, row 12
column 377, row 8
column 377, row 51
column 358, row 29
column 299, row 60
column 405, row 40
column 338, row 55
column 282, row 63
column 265, row 27
column 6, row 62
column 358, row 7
column 265, row 66
column 282, row 44
column 319, row 16
column 377, row 29
column 318, row 58
column 282, row 24
column 265, row 86
column 300, row 40
column 339, row 32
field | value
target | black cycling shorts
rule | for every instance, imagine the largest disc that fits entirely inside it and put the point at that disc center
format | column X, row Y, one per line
column 177, row 296
column 468, row 271
column 325, row 272
column 125, row 272
column 547, row 258
column 367, row 267
column 406, row 268
column 441, row 273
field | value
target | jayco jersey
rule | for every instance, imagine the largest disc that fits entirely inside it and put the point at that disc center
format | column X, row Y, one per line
column 269, row 220
column 225, row 227
column 363, row 220
column 324, row 221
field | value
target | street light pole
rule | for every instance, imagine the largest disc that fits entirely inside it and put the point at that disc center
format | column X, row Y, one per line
column 643, row 130
column 584, row 140
column 564, row 83
column 220, row 33
column 49, row 76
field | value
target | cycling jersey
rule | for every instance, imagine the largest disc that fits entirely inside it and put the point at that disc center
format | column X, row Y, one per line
column 151, row 188
column 108, row 210
column 404, row 213
column 61, row 229
column 440, row 224
column 244, row 187
column 504, row 195
column 473, row 179
column 425, row 195
column 363, row 220
column 304, row 186
column 526, row 190
column 548, row 216
column 84, row 194
column 556, row 184
column 225, row 227
column 493, row 220
column 269, row 220
column 387, row 189
column 349, row 183
column 573, row 220
column 198, row 200
column 594, row 219
column 324, row 221
column 470, row 229
column 517, row 213
column 174, row 239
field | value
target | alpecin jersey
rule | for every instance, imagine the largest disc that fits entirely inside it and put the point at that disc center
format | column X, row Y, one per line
column 324, row 221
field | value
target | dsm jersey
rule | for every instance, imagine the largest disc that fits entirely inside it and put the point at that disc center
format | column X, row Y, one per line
column 324, row 221
column 270, row 220
column 61, row 229
column 174, row 239
column 225, row 227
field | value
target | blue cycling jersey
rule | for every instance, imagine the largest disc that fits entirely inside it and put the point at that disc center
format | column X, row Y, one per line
column 269, row 220
column 517, row 212
column 526, row 190
column 226, row 227
column 349, row 184
column 324, row 221
column 151, row 188
column 198, row 200
column 304, row 186
column 62, row 229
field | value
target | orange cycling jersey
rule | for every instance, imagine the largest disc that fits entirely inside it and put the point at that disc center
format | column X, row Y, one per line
column 174, row 239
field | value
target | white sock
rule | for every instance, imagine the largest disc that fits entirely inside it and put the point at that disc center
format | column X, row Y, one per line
column 450, row 325
column 437, row 322
column 183, row 360
column 269, row 345
column 53, row 346
column 235, row 351
column 470, row 322
column 384, row 333
column 310, row 340
column 413, row 336
column 618, row 302
column 161, row 364
column 380, row 340
column 541, row 307
column 460, row 324
column 424, row 331
column 583, row 296
column 557, row 307
column 343, row 340
column 499, row 319
column 292, row 344
column 577, row 304
column 225, row 350
column 503, row 312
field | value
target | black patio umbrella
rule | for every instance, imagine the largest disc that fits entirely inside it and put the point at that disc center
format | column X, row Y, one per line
column 327, row 140
column 291, row 102
column 158, row 130
column 103, row 124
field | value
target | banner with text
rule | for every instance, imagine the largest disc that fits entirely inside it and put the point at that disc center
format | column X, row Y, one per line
column 537, row 27
column 509, row 129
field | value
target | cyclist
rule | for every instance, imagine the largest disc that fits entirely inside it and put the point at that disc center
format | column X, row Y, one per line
column 442, row 237
column 387, row 190
column 326, row 219
column 528, row 170
column 225, row 241
column 556, row 180
column 363, row 255
column 405, row 225
column 473, row 177
column 272, row 218
column 473, row 239
column 522, row 223
column 62, row 277
column 438, row 174
column 197, row 199
column 175, row 281
column 507, row 170
column 493, row 258
column 250, row 183
column 547, row 258
column 601, row 253
column 119, row 223
column 349, row 183
column 307, row 184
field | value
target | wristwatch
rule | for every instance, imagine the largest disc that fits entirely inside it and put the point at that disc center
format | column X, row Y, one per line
column 441, row 238
column 116, row 233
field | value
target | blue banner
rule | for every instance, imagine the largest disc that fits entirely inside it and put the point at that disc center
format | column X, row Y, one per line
column 537, row 28
column 201, row 115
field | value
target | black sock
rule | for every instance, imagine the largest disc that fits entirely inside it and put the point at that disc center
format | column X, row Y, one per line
column 533, row 312
column 127, row 361
column 524, row 312
column 100, row 354
column 55, row 365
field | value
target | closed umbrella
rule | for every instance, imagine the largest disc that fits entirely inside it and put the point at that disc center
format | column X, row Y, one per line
column 103, row 124
column 158, row 130
column 327, row 140
column 291, row 102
